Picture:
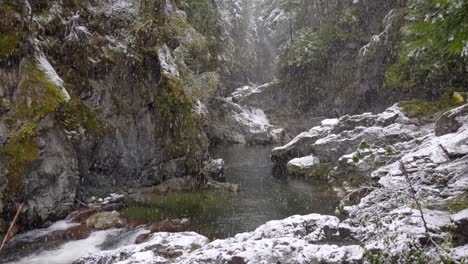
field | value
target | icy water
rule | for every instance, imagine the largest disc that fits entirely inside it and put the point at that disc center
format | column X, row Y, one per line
column 262, row 197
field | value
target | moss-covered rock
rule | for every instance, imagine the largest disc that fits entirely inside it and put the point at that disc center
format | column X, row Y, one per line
column 422, row 108
column 21, row 151
column 11, row 31
column 37, row 95
column 179, row 122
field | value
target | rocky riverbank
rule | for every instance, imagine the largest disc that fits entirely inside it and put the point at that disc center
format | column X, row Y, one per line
column 411, row 204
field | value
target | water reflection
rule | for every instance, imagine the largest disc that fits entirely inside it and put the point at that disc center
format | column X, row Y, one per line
column 262, row 196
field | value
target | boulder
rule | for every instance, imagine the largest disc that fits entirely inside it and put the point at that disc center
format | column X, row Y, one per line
column 460, row 220
column 348, row 122
column 309, row 166
column 105, row 220
column 300, row 146
column 451, row 121
column 214, row 169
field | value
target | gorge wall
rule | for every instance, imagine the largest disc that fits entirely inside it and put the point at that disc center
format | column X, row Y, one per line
column 96, row 96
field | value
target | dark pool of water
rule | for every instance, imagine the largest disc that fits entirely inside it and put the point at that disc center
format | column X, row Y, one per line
column 262, row 197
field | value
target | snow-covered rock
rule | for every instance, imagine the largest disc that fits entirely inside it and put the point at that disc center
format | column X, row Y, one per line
column 461, row 224
column 308, row 166
column 161, row 248
column 452, row 120
column 284, row 241
column 413, row 177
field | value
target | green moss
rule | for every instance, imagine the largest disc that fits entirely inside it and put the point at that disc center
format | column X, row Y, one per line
column 178, row 121
column 39, row 96
column 363, row 145
column 378, row 164
column 9, row 42
column 9, row 120
column 422, row 108
column 75, row 114
column 458, row 205
column 389, row 151
column 19, row 154
column 357, row 158
column 11, row 33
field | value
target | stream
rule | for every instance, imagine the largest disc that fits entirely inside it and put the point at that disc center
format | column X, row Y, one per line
column 262, row 197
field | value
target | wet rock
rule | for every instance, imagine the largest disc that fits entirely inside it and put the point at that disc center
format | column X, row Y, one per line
column 105, row 220
column 221, row 186
column 175, row 185
column 309, row 166
column 451, row 121
column 78, row 232
column 82, row 215
column 461, row 226
column 182, row 225
column 214, row 169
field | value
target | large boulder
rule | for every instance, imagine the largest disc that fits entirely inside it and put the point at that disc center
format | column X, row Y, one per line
column 309, row 166
column 451, row 121
column 105, row 220
column 300, row 146
column 461, row 224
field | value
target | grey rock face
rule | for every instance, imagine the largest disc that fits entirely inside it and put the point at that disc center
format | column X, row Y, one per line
column 52, row 182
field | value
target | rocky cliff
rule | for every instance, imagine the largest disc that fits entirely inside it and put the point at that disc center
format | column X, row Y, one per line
column 96, row 96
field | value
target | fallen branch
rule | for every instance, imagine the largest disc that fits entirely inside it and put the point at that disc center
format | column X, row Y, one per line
column 413, row 195
column 6, row 238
